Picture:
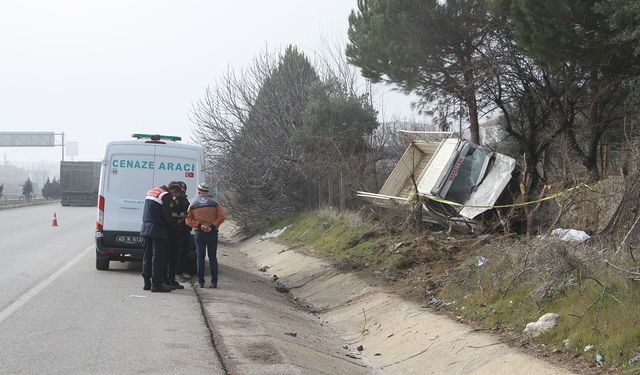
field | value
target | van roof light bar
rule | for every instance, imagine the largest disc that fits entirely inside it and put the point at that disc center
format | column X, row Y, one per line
column 156, row 137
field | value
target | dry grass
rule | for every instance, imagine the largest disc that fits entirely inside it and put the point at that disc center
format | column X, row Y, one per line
column 523, row 280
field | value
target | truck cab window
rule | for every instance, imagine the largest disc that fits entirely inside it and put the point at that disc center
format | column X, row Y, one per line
column 469, row 173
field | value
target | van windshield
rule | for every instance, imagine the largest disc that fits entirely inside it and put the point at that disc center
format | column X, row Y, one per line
column 467, row 175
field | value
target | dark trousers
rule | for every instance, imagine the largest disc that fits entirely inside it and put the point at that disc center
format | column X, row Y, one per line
column 185, row 238
column 154, row 260
column 207, row 242
column 176, row 249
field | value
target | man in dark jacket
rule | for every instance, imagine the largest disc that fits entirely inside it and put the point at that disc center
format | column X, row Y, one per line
column 155, row 220
column 177, row 226
column 186, row 238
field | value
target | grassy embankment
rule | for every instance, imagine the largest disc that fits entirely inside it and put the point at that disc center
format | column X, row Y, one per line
column 521, row 280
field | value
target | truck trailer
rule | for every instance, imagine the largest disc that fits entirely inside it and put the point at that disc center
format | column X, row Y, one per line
column 79, row 182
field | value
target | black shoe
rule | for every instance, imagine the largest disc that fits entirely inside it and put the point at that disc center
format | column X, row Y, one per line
column 146, row 286
column 160, row 288
column 201, row 284
column 213, row 286
column 169, row 286
column 177, row 285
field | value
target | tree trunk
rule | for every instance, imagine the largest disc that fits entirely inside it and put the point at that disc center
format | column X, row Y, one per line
column 471, row 103
column 474, row 125
column 623, row 228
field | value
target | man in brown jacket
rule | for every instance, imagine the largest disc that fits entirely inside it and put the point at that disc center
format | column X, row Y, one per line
column 205, row 215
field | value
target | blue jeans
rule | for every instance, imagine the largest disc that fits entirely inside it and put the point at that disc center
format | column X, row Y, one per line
column 208, row 241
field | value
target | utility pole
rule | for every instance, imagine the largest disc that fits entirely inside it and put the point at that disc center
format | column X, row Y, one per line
column 62, row 146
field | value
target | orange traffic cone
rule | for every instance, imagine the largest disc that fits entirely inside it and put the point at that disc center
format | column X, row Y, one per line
column 54, row 223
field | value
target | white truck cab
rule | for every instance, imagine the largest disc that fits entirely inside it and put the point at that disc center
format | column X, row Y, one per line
column 129, row 170
column 447, row 170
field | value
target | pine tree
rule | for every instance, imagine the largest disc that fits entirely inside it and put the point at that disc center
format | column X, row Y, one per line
column 55, row 189
column 590, row 71
column 430, row 47
column 27, row 189
column 46, row 189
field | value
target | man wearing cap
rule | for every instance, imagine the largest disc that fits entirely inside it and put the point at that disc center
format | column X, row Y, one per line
column 154, row 231
column 205, row 215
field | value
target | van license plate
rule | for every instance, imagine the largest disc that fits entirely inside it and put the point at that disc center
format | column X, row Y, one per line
column 129, row 239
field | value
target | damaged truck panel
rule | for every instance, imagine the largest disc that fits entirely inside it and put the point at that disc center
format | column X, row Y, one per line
column 495, row 181
column 447, row 168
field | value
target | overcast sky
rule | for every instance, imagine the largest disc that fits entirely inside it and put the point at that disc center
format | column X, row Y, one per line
column 102, row 70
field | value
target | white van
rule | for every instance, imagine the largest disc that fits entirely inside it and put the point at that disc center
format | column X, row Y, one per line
column 129, row 170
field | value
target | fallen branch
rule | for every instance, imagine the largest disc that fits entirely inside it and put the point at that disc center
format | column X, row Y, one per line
column 524, row 268
column 604, row 292
column 495, row 343
column 635, row 223
column 364, row 327
column 633, row 275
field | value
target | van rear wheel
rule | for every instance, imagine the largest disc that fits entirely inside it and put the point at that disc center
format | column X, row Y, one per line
column 102, row 261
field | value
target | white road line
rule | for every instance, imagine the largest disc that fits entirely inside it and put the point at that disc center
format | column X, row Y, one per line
column 23, row 299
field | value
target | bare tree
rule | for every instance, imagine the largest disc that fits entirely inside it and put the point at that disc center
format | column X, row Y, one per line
column 280, row 138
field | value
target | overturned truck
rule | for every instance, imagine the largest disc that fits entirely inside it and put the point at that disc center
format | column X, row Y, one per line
column 457, row 183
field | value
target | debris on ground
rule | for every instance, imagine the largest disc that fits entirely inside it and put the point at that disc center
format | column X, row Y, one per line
column 600, row 359
column 263, row 268
column 292, row 334
column 354, row 355
column 394, row 248
column 276, row 233
column 481, row 261
column 634, row 361
column 589, row 348
column 568, row 235
column 282, row 289
column 545, row 323
column 360, row 348
column 274, row 277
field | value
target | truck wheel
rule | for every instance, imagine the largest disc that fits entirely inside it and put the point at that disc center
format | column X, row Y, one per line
column 102, row 261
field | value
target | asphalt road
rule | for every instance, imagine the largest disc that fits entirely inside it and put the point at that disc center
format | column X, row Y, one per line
column 59, row 315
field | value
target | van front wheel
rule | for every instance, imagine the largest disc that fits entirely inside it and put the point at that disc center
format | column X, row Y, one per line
column 102, row 261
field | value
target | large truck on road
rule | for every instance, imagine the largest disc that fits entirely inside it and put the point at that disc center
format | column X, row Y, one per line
column 79, row 182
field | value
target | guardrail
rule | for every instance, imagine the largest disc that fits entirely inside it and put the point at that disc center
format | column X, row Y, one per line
column 6, row 204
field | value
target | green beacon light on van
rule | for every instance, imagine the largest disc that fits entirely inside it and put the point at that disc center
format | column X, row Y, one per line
column 156, row 137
